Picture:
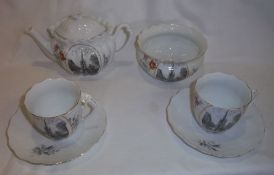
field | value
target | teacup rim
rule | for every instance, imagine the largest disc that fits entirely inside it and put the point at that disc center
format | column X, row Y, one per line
column 138, row 44
column 226, row 108
column 36, row 85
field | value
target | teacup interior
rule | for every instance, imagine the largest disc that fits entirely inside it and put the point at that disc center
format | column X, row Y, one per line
column 223, row 90
column 173, row 46
column 52, row 97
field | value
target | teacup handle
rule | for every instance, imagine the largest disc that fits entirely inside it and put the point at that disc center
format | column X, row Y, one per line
column 88, row 103
column 127, row 32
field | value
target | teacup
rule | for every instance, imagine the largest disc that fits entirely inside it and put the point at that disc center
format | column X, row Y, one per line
column 55, row 107
column 219, row 100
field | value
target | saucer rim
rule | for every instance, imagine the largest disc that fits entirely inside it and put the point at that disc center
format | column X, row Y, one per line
column 59, row 162
column 188, row 143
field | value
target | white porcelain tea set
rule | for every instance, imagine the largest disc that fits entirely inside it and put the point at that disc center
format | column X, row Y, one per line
column 57, row 122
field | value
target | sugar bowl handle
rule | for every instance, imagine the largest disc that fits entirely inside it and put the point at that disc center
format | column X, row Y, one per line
column 120, row 41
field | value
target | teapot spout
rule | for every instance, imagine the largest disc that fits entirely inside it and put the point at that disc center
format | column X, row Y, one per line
column 42, row 42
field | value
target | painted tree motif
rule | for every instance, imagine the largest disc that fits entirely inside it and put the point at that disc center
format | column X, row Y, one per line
column 207, row 121
column 183, row 72
column 59, row 131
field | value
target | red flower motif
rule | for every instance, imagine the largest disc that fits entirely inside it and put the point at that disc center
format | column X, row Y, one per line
column 152, row 65
column 62, row 56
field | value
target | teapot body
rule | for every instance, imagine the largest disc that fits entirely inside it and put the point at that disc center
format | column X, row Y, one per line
column 86, row 57
column 81, row 44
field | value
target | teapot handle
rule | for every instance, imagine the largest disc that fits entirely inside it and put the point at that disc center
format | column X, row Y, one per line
column 122, row 42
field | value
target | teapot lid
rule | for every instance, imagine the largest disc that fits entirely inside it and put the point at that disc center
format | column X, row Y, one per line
column 79, row 27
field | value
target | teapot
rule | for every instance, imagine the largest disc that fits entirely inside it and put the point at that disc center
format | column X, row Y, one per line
column 81, row 44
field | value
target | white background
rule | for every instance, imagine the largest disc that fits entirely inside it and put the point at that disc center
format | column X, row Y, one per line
column 138, row 140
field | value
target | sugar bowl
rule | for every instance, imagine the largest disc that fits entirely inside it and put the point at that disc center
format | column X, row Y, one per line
column 169, row 51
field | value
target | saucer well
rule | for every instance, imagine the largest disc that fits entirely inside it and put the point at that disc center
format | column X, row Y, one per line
column 242, row 138
column 29, row 145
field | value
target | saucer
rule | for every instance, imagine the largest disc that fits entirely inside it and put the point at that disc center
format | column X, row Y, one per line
column 242, row 138
column 29, row 145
